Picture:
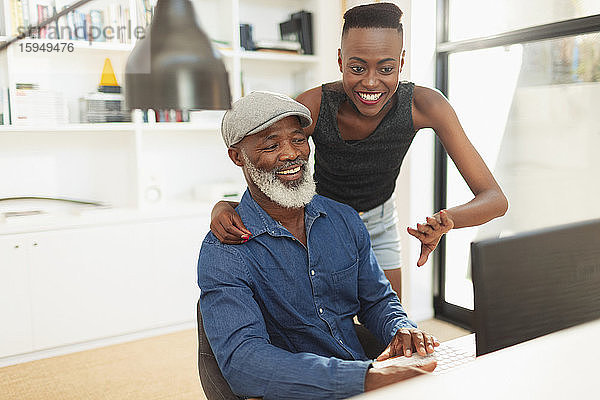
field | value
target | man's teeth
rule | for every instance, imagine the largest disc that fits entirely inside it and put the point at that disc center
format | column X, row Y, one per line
column 289, row 171
column 370, row 96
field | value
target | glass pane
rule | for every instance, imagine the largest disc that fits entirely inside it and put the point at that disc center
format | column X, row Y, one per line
column 531, row 110
column 478, row 18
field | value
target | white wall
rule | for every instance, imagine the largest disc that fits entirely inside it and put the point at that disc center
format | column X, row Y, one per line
column 327, row 25
column 414, row 190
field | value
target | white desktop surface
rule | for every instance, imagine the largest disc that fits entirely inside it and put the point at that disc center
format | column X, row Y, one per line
column 562, row 365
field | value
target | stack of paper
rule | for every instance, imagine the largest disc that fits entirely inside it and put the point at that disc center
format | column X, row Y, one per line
column 36, row 106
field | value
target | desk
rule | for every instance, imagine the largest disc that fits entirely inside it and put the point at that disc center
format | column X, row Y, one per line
column 562, row 365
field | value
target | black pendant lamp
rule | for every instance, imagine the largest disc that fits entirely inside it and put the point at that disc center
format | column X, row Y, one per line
column 174, row 66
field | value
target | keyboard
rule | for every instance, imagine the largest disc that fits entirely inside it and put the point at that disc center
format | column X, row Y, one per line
column 447, row 357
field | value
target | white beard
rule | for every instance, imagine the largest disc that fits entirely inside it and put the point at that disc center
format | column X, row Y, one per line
column 297, row 195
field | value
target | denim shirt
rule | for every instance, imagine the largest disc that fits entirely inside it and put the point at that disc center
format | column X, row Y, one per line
column 279, row 315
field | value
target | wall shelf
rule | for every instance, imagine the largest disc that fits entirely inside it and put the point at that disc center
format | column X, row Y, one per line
column 113, row 127
column 86, row 128
column 277, row 57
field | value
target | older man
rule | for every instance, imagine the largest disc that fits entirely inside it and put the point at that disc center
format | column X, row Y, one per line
column 278, row 310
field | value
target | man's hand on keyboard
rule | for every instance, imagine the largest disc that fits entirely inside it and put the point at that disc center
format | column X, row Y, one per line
column 379, row 377
column 406, row 341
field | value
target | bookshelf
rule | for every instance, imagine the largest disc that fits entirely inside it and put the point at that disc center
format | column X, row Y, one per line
column 74, row 74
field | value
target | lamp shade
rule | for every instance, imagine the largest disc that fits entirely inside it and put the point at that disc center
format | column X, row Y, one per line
column 174, row 66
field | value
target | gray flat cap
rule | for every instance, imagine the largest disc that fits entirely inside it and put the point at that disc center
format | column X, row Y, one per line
column 256, row 112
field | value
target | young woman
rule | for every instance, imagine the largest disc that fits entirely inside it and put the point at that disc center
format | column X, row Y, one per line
column 362, row 128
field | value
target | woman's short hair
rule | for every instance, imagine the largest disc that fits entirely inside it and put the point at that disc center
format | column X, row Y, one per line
column 375, row 15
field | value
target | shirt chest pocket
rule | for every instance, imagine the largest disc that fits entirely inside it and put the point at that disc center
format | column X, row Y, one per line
column 345, row 284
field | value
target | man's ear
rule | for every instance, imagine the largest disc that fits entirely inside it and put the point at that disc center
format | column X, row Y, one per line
column 340, row 59
column 236, row 157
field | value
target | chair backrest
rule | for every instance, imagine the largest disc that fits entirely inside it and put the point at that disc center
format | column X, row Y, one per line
column 213, row 383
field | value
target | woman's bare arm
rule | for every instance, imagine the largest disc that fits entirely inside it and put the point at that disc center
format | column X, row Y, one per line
column 432, row 110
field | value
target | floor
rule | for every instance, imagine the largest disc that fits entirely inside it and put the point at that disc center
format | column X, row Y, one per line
column 162, row 367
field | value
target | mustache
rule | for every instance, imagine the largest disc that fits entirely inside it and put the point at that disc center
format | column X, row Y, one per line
column 288, row 164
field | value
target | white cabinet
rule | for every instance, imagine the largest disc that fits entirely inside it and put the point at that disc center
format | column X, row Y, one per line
column 75, row 285
column 89, row 283
column 15, row 300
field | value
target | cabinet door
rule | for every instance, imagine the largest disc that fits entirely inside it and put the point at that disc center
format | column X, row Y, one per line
column 99, row 282
column 176, row 245
column 90, row 283
column 15, row 309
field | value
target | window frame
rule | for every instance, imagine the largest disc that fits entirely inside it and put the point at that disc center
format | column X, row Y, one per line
column 590, row 24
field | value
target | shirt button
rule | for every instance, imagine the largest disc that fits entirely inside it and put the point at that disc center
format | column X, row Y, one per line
column 312, row 272
column 321, row 310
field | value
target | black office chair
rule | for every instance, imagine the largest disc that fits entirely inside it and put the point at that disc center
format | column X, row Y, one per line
column 214, row 384
column 370, row 344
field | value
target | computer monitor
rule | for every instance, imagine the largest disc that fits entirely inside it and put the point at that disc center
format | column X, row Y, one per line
column 535, row 283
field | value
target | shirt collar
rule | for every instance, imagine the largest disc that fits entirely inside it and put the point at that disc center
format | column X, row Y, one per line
column 258, row 221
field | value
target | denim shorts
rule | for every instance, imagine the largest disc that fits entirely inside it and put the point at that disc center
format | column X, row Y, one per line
column 382, row 224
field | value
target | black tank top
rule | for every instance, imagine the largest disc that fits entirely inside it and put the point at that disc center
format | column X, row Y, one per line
column 361, row 173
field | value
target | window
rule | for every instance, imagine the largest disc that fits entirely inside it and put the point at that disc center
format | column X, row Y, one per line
column 528, row 101
column 469, row 19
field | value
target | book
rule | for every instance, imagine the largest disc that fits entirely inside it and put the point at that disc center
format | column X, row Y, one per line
column 76, row 25
column 4, row 107
column 65, row 31
column 89, row 33
column 145, row 12
column 42, row 14
column 304, row 19
column 127, row 21
column 113, row 21
column 96, row 25
column 32, row 15
column 16, row 8
column 52, row 31
column 284, row 45
column 25, row 11
column 71, row 25
column 55, row 23
column 80, row 28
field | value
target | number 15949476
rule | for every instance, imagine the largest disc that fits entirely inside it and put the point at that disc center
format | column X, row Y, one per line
column 46, row 47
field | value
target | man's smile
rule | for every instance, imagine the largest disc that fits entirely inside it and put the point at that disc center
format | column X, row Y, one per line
column 290, row 171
